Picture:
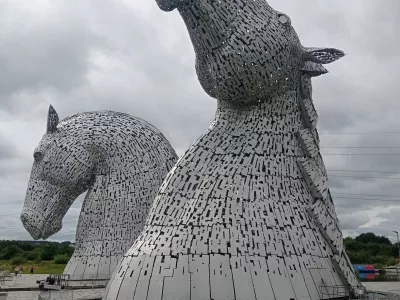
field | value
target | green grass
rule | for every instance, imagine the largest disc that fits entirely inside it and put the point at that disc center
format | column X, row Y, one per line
column 44, row 267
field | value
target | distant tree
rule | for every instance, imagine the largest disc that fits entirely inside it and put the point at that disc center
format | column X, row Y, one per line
column 9, row 252
column 363, row 257
column 390, row 261
column 358, row 257
column 4, row 244
column 370, row 237
column 386, row 250
column 374, row 249
column 384, row 240
column 369, row 248
column 34, row 255
column 395, row 250
column 61, row 259
column 378, row 260
column 65, row 249
column 48, row 252
column 34, row 250
column 18, row 260
column 26, row 246
column 352, row 245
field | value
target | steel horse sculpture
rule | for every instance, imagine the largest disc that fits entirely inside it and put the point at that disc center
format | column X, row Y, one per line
column 120, row 160
column 246, row 213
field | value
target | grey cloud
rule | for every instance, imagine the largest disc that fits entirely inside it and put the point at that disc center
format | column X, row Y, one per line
column 358, row 195
column 7, row 149
column 336, row 183
column 144, row 78
column 393, row 213
column 386, row 32
column 47, row 51
column 353, row 221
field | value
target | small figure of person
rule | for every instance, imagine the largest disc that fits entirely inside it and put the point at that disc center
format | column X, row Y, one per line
column 31, row 271
column 16, row 271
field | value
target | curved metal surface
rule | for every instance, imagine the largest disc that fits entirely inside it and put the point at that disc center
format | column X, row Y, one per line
column 246, row 213
column 119, row 160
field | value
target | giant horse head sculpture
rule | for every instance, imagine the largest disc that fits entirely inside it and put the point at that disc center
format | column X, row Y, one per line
column 120, row 159
column 62, row 170
column 244, row 212
column 245, row 50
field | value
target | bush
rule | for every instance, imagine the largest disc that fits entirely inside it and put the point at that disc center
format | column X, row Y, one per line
column 9, row 252
column 49, row 251
column 391, row 261
column 33, row 255
column 65, row 249
column 61, row 259
column 18, row 260
column 26, row 246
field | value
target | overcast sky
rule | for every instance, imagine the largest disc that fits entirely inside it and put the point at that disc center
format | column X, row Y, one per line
column 129, row 56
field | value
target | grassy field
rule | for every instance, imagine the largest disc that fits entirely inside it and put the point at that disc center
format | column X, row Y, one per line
column 44, row 267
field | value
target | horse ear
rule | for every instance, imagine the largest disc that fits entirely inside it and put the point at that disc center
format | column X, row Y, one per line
column 313, row 69
column 52, row 120
column 322, row 55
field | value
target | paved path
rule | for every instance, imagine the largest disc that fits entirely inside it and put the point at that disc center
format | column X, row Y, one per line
column 77, row 294
column 24, row 281
column 23, row 296
column 391, row 287
column 30, row 281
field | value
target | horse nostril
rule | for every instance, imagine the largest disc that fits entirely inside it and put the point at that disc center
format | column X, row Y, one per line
column 24, row 219
column 31, row 225
column 27, row 221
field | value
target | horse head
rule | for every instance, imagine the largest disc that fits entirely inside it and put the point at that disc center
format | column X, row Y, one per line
column 245, row 50
column 62, row 170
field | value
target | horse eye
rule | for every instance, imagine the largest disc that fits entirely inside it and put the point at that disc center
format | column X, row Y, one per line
column 283, row 19
column 37, row 155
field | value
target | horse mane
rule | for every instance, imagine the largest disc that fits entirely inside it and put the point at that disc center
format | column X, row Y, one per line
column 124, row 116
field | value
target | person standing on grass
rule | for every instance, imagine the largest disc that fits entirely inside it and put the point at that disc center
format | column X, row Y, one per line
column 32, row 270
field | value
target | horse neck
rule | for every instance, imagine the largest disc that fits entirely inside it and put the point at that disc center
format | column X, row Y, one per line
column 236, row 143
column 113, row 197
column 108, row 191
column 280, row 115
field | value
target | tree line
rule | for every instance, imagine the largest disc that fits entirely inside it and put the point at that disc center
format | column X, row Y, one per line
column 19, row 252
column 369, row 248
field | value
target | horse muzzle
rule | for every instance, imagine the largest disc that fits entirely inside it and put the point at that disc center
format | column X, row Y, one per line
column 38, row 226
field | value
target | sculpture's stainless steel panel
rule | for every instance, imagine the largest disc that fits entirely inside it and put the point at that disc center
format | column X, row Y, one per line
column 246, row 213
column 121, row 161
